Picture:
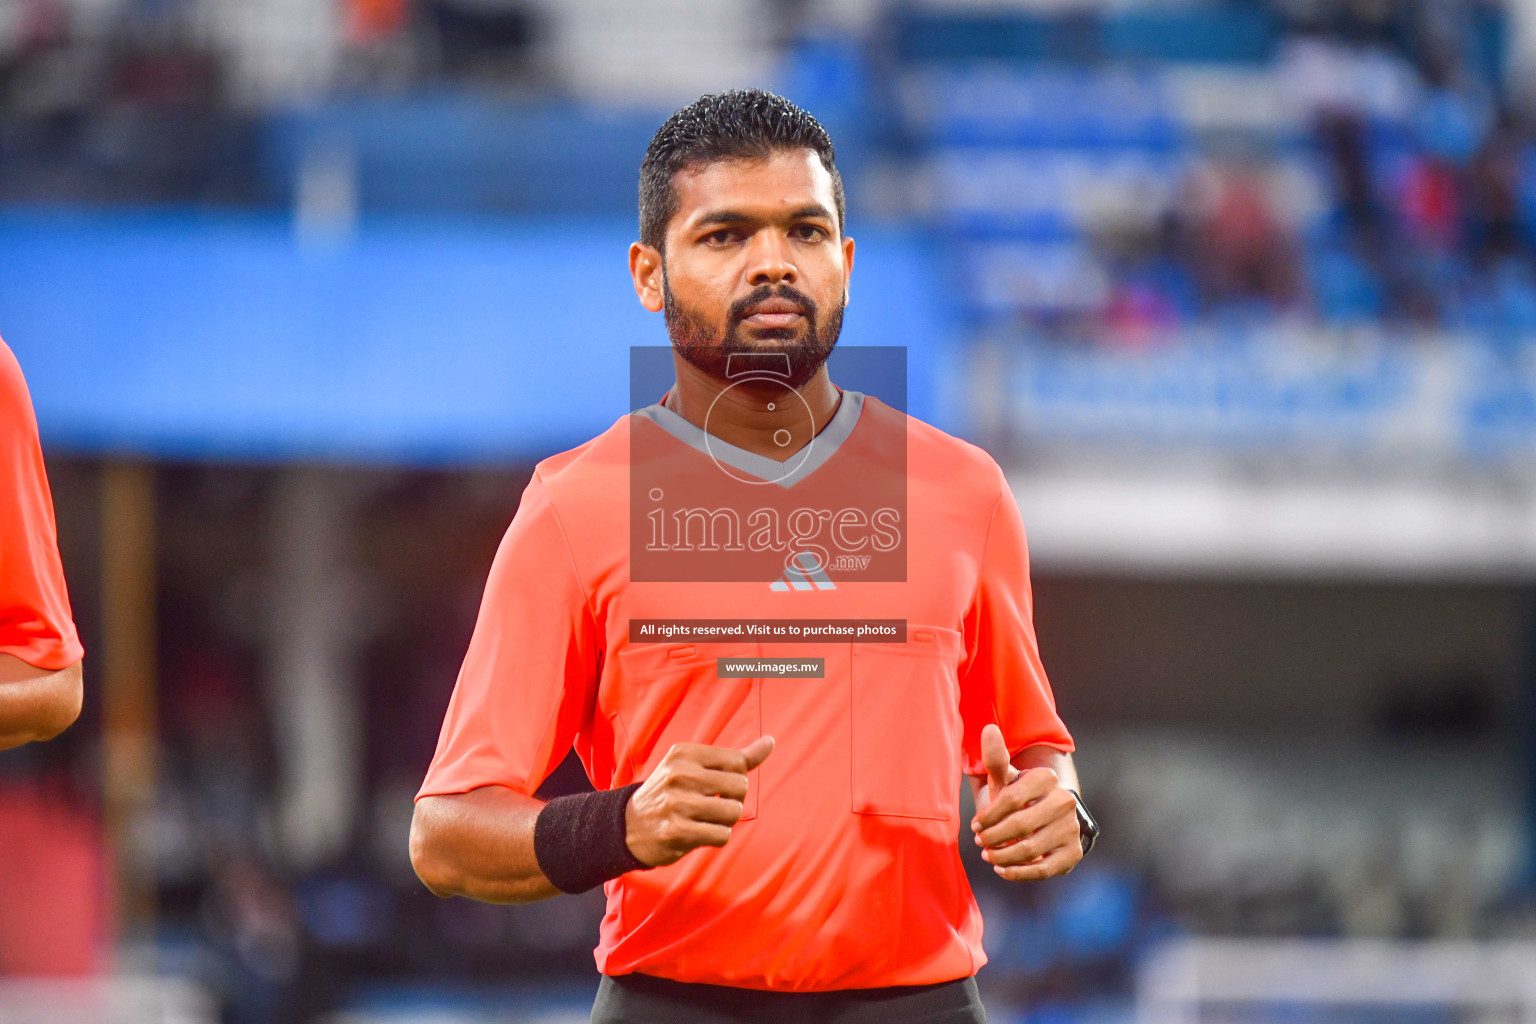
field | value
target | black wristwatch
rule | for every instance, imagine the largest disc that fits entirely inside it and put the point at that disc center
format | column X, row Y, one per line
column 1087, row 827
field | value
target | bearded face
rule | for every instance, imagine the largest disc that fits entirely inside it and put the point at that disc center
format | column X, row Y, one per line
column 778, row 319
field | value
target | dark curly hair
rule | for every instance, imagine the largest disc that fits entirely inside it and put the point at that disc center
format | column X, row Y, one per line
column 741, row 123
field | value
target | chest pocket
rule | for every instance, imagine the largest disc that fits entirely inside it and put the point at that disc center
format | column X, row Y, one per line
column 670, row 693
column 905, row 713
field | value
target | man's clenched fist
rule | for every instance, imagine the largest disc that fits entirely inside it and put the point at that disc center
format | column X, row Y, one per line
column 1027, row 824
column 692, row 799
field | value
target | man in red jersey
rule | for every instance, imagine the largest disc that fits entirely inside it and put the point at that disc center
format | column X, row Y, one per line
column 776, row 836
column 40, row 687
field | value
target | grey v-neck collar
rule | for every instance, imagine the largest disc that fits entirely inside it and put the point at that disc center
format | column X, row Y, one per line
column 786, row 474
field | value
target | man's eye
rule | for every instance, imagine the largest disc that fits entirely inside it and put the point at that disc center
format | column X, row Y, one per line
column 809, row 231
column 720, row 237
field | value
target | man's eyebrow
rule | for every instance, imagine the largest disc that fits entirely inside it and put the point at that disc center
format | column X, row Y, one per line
column 814, row 210
column 721, row 217
column 737, row 217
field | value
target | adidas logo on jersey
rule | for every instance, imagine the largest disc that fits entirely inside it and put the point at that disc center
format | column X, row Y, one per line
column 806, row 574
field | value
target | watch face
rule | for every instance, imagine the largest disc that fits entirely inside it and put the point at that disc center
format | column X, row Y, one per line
column 1088, row 828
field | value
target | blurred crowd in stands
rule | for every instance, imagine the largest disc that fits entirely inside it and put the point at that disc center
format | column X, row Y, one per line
column 1429, row 193
column 1363, row 163
column 1397, row 183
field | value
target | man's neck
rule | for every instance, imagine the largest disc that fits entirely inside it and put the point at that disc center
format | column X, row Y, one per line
column 741, row 416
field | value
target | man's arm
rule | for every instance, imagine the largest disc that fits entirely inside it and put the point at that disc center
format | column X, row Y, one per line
column 480, row 844
column 36, row 704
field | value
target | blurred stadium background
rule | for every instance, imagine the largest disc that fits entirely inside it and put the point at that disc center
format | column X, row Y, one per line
column 1242, row 294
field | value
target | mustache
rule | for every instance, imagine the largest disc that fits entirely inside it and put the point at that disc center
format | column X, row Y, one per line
column 805, row 304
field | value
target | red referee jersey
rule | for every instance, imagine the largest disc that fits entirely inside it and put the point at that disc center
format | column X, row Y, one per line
column 845, row 869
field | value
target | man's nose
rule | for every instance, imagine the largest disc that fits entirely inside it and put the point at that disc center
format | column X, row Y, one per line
column 770, row 263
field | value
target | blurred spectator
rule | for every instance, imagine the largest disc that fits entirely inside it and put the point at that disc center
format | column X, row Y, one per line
column 216, row 802
column 1242, row 252
column 1431, row 202
column 371, row 21
column 253, row 921
column 1494, row 196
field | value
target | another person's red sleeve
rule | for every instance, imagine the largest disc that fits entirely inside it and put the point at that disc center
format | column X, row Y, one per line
column 1001, row 677
column 529, row 679
column 36, row 624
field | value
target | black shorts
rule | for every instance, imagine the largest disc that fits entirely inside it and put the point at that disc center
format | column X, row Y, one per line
column 641, row 999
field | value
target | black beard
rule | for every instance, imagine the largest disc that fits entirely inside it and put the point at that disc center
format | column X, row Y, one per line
column 701, row 343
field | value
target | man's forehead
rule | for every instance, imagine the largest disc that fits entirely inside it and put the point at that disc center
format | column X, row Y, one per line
column 785, row 179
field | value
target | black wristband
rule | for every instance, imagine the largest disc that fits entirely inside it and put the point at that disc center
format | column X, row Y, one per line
column 579, row 840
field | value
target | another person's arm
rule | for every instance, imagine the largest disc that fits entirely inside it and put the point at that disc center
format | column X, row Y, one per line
column 36, row 704
column 40, row 678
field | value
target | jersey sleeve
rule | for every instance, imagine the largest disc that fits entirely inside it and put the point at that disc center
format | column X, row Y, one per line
column 529, row 680
column 36, row 624
column 1001, row 677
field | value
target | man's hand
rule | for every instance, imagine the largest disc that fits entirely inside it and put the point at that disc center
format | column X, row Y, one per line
column 1027, row 828
column 692, row 799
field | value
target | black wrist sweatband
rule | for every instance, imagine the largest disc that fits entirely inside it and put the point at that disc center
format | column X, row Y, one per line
column 579, row 840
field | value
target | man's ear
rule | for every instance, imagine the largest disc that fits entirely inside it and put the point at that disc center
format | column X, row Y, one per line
column 847, row 266
column 645, row 268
